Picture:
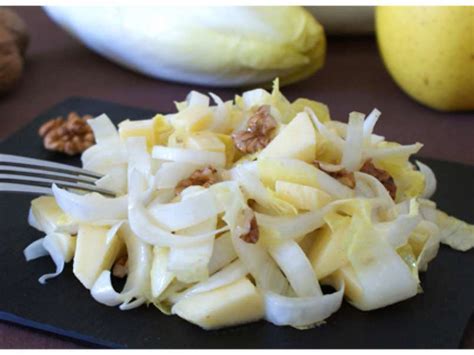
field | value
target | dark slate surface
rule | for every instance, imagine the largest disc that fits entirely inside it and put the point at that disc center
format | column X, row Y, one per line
column 434, row 319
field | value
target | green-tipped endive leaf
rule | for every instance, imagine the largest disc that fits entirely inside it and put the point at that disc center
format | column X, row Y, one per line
column 215, row 46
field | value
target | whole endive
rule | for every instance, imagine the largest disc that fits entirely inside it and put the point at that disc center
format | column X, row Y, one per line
column 214, row 46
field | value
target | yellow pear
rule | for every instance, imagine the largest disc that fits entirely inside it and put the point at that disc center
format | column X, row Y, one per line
column 429, row 51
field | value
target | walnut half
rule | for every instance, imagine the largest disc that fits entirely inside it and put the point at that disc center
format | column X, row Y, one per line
column 385, row 178
column 337, row 172
column 201, row 177
column 258, row 133
column 253, row 234
column 70, row 136
column 120, row 268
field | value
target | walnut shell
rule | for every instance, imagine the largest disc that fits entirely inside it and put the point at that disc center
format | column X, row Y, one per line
column 11, row 61
column 16, row 26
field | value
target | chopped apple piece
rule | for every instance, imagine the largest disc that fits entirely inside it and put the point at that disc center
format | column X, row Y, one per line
column 141, row 128
column 205, row 141
column 320, row 109
column 190, row 264
column 297, row 140
column 329, row 251
column 50, row 218
column 156, row 130
column 230, row 150
column 160, row 277
column 271, row 170
column 301, row 196
column 233, row 304
column 193, row 119
column 96, row 250
column 67, row 244
column 352, row 289
column 162, row 129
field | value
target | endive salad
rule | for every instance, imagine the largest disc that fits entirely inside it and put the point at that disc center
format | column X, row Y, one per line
column 231, row 212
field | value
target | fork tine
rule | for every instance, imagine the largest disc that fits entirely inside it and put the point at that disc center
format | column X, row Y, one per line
column 45, row 182
column 43, row 173
column 13, row 159
column 11, row 187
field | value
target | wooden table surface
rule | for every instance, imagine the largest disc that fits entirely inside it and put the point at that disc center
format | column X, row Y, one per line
column 353, row 79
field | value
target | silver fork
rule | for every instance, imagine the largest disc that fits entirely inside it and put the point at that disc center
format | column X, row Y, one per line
column 35, row 176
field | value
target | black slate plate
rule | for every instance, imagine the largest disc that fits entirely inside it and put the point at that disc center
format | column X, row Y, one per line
column 434, row 319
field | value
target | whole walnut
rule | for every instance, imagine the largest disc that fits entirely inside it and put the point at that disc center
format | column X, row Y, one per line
column 13, row 43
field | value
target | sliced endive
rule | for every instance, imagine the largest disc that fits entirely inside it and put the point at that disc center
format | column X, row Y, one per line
column 137, row 287
column 59, row 246
column 382, row 275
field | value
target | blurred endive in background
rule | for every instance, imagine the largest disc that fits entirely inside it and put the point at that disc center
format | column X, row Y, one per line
column 213, row 46
column 427, row 50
